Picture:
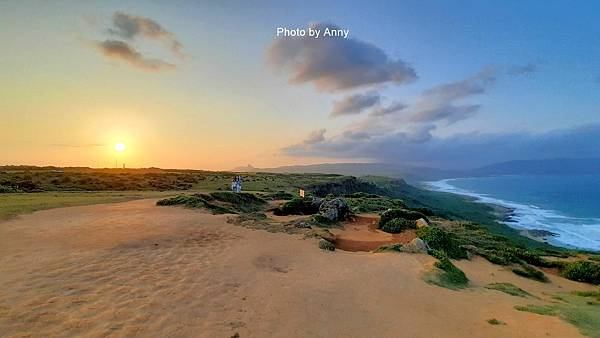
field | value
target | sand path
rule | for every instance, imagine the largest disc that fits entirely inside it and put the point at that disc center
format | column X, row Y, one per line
column 134, row 269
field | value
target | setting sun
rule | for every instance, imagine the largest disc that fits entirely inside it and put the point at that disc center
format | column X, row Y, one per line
column 120, row 147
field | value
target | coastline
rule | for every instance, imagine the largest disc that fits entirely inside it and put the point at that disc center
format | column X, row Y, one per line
column 529, row 221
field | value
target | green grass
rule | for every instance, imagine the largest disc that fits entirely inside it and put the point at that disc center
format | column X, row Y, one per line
column 13, row 204
column 530, row 272
column 495, row 321
column 573, row 308
column 446, row 274
column 508, row 288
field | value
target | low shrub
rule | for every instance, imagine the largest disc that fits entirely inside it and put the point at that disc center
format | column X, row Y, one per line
column 582, row 271
column 398, row 225
column 449, row 276
column 326, row 245
column 452, row 275
column 298, row 206
column 530, row 272
column 373, row 204
column 391, row 214
column 243, row 202
column 218, row 202
column 440, row 239
column 508, row 288
column 279, row 195
column 495, row 321
column 8, row 189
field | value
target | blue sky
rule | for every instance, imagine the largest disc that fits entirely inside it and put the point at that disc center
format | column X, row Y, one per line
column 224, row 96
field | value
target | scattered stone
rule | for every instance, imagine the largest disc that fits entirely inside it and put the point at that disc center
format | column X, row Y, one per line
column 421, row 223
column 334, row 210
column 417, row 245
column 303, row 225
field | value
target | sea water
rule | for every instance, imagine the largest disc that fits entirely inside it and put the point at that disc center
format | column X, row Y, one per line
column 568, row 206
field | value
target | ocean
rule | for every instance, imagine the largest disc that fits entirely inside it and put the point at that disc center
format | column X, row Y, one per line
column 568, row 206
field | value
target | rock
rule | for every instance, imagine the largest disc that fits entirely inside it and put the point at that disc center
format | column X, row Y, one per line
column 334, row 210
column 417, row 245
column 316, row 202
column 421, row 223
column 303, row 225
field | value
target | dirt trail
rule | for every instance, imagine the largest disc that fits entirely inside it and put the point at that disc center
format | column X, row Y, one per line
column 134, row 269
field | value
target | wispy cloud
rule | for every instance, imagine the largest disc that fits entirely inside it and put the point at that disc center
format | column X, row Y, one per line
column 122, row 51
column 441, row 103
column 315, row 136
column 528, row 68
column 394, row 107
column 336, row 64
column 129, row 26
column 125, row 29
column 354, row 104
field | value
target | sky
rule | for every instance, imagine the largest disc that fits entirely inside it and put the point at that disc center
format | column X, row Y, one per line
column 209, row 85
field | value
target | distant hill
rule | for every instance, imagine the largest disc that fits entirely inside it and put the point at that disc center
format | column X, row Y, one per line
column 416, row 173
column 395, row 170
column 541, row 167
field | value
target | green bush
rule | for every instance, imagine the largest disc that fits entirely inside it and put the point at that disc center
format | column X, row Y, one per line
column 218, row 202
column 242, row 201
column 298, row 206
column 391, row 214
column 398, row 225
column 582, row 271
column 453, row 274
column 373, row 204
column 279, row 195
column 326, row 245
column 440, row 239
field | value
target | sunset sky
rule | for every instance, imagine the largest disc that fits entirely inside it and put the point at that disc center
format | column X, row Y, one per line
column 208, row 85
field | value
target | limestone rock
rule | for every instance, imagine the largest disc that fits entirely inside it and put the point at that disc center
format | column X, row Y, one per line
column 417, row 245
column 334, row 210
column 421, row 223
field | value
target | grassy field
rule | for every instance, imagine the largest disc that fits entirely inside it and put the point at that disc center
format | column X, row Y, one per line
column 22, row 203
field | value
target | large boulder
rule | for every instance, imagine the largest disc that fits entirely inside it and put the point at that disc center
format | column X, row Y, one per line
column 421, row 223
column 417, row 245
column 334, row 210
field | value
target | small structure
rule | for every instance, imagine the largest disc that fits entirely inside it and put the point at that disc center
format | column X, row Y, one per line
column 236, row 184
column 302, row 193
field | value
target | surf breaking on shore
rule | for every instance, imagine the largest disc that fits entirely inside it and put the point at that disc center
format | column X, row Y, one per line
column 550, row 225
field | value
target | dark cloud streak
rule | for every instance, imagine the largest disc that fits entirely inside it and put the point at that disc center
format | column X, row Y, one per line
column 336, row 64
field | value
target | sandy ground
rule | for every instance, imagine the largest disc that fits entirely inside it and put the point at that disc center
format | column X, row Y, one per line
column 134, row 269
column 362, row 234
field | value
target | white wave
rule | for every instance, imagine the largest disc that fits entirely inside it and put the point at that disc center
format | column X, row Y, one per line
column 573, row 232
